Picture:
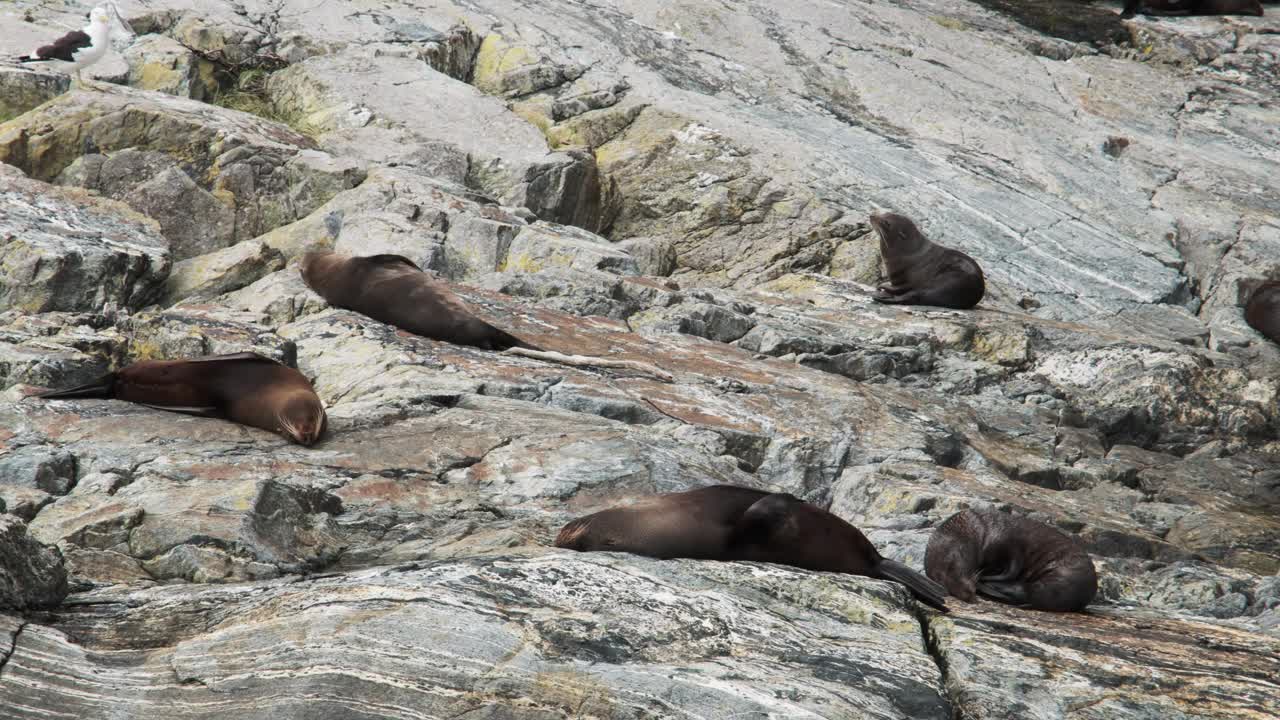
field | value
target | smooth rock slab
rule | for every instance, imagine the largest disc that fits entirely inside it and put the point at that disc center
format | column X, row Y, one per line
column 22, row 90
column 1002, row 662
column 563, row 634
column 31, row 575
column 62, row 249
column 265, row 173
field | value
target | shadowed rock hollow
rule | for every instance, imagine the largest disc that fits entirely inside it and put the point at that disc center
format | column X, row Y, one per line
column 682, row 184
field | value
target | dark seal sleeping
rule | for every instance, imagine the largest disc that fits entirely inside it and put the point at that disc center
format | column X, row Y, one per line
column 393, row 290
column 1262, row 311
column 245, row 388
column 922, row 272
column 726, row 522
column 1011, row 559
column 1191, row 7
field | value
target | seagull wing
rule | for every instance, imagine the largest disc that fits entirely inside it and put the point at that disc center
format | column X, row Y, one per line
column 64, row 48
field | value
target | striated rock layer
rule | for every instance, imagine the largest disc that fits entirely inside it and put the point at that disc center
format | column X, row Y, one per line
column 685, row 185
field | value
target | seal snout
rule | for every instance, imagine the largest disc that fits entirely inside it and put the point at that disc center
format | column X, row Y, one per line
column 571, row 535
column 303, row 421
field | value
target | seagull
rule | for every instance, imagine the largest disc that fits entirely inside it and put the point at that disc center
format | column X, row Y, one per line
column 78, row 48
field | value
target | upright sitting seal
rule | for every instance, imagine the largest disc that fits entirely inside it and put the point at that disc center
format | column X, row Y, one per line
column 1011, row 559
column 1191, row 7
column 922, row 272
column 726, row 522
column 393, row 290
column 245, row 388
column 1262, row 311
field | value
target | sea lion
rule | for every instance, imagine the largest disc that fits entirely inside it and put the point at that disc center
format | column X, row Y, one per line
column 726, row 522
column 1262, row 311
column 393, row 290
column 1191, row 7
column 922, row 272
column 1010, row 559
column 245, row 388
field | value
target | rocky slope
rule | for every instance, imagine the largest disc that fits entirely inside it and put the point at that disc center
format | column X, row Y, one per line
column 686, row 184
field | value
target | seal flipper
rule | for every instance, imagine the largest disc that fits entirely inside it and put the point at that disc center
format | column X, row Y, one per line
column 759, row 521
column 103, row 387
column 199, row 411
column 910, row 297
column 1013, row 592
column 926, row 590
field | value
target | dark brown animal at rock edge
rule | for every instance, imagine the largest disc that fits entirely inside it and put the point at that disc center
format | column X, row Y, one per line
column 922, row 272
column 245, row 388
column 1262, row 311
column 393, row 290
column 1010, row 559
column 726, row 522
column 1191, row 7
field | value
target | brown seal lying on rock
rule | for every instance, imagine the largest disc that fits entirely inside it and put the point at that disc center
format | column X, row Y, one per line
column 1011, row 559
column 1262, row 311
column 393, row 290
column 245, row 388
column 922, row 272
column 726, row 522
column 1191, row 7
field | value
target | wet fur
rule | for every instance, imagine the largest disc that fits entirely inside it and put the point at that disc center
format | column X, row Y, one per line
column 1010, row 559
column 725, row 522
column 1262, row 311
column 245, row 388
column 922, row 272
column 393, row 290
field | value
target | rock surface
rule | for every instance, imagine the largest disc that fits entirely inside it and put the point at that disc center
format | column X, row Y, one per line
column 31, row 575
column 680, row 184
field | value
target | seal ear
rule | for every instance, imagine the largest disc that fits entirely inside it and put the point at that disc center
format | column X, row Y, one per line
column 764, row 518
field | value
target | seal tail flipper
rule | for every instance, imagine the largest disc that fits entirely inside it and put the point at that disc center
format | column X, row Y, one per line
column 1005, row 591
column 103, row 387
column 515, row 342
column 928, row 591
column 488, row 337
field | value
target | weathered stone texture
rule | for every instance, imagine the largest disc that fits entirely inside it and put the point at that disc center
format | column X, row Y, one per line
column 679, row 184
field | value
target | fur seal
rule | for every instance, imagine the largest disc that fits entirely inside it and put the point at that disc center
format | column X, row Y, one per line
column 393, row 290
column 726, row 522
column 922, row 272
column 245, row 388
column 1191, row 7
column 1010, row 559
column 1262, row 312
